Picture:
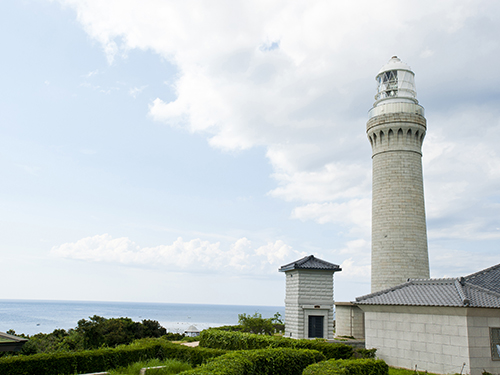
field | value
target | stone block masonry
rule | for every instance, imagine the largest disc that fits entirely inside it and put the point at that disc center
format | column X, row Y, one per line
column 308, row 293
column 399, row 234
column 309, row 298
column 350, row 320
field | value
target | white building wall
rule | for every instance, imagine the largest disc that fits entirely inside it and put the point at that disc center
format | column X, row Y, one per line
column 349, row 320
column 479, row 322
column 308, row 292
column 294, row 322
column 435, row 339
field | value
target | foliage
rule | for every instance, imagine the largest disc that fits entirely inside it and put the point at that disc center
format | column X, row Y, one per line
column 236, row 328
column 283, row 361
column 258, row 325
column 190, row 339
column 364, row 353
column 92, row 334
column 98, row 331
column 170, row 366
column 255, row 324
column 171, row 336
column 348, row 367
column 216, row 339
column 104, row 358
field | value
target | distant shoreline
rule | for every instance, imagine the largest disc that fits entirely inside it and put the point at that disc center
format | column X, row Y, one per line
column 41, row 316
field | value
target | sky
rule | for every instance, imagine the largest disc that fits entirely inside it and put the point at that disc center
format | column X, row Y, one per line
column 182, row 151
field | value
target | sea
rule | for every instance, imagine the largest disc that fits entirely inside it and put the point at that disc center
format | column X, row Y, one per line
column 31, row 317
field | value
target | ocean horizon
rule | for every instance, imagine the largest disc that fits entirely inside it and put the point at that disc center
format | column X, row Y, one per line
column 44, row 316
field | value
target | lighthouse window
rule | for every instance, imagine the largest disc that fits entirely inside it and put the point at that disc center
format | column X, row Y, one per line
column 391, row 76
column 388, row 84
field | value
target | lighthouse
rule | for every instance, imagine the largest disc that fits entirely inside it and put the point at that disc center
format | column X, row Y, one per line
column 396, row 129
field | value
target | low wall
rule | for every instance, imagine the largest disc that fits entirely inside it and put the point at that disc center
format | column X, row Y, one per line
column 349, row 320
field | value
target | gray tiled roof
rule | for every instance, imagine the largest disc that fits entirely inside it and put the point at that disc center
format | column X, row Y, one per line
column 480, row 289
column 488, row 278
column 312, row 263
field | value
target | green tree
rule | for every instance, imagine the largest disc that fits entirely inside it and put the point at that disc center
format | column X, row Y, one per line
column 99, row 331
column 257, row 324
column 90, row 334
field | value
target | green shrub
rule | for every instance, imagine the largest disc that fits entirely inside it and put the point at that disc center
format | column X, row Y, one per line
column 364, row 353
column 257, row 324
column 93, row 334
column 169, row 366
column 281, row 361
column 330, row 351
column 103, row 359
column 236, row 328
column 348, row 367
column 171, row 336
column 190, row 339
column 99, row 331
column 216, row 339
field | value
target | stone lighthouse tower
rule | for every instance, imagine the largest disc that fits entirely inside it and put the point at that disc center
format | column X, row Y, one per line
column 396, row 130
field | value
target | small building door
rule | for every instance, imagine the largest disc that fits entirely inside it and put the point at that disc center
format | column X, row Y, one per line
column 315, row 326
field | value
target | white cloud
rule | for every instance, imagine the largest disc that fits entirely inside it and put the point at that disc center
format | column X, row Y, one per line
column 332, row 182
column 426, row 53
column 194, row 255
column 355, row 211
column 352, row 269
column 462, row 174
column 91, row 73
column 452, row 262
column 298, row 78
column 354, row 279
column 278, row 252
column 133, row 91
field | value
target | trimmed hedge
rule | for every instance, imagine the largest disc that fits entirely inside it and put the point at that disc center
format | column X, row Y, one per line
column 216, row 339
column 279, row 361
column 364, row 353
column 348, row 367
column 103, row 359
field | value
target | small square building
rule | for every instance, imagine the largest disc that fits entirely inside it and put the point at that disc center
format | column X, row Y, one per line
column 309, row 298
column 11, row 343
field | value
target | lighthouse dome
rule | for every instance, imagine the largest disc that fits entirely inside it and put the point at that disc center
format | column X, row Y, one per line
column 394, row 63
column 395, row 83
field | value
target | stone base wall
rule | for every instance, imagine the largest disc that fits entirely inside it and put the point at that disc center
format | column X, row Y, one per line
column 479, row 323
column 441, row 340
column 294, row 321
column 432, row 338
column 297, row 318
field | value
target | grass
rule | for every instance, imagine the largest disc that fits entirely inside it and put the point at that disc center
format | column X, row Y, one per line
column 400, row 371
column 172, row 367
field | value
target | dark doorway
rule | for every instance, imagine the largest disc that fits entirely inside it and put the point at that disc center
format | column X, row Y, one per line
column 315, row 326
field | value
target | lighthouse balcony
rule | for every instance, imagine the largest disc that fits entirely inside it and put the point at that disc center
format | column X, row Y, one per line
column 396, row 107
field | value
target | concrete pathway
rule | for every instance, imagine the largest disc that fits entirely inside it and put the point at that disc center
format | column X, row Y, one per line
column 192, row 344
